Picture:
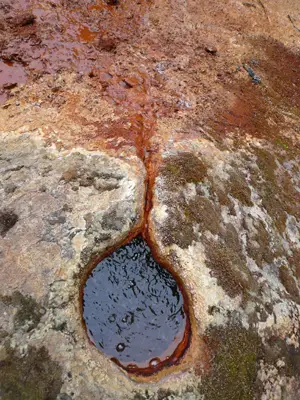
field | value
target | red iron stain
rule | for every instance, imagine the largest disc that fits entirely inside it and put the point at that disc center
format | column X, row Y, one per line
column 86, row 35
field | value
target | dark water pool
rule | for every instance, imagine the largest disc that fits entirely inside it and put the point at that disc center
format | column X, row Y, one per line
column 133, row 309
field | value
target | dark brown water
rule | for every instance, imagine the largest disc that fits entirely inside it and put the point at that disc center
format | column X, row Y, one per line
column 134, row 310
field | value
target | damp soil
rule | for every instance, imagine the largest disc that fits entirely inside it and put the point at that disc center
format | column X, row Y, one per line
column 134, row 310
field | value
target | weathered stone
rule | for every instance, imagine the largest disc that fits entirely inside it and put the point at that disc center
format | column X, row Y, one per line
column 29, row 376
column 117, row 119
column 242, row 266
column 41, row 259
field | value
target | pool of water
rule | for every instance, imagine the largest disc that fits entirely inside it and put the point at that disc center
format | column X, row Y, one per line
column 133, row 309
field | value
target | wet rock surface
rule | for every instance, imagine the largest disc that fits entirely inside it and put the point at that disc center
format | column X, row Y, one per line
column 127, row 117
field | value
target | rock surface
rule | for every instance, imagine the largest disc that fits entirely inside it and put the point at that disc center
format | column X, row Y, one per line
column 177, row 119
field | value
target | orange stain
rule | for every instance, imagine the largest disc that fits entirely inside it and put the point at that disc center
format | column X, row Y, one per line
column 8, row 63
column 86, row 35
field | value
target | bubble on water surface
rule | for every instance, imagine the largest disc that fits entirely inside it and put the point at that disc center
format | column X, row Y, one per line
column 154, row 362
column 120, row 347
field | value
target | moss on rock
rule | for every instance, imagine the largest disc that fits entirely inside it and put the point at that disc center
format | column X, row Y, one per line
column 236, row 352
column 239, row 188
column 287, row 279
column 259, row 244
column 278, row 193
column 294, row 261
column 182, row 168
column 29, row 311
column 33, row 376
column 187, row 214
column 276, row 348
column 225, row 259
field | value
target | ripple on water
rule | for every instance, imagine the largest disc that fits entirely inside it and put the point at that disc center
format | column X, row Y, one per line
column 133, row 308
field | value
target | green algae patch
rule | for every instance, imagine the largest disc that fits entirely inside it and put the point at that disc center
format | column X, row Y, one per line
column 32, row 376
column 236, row 352
column 29, row 310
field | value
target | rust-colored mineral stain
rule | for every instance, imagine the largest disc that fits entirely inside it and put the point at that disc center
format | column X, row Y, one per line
column 86, row 35
column 134, row 310
column 11, row 73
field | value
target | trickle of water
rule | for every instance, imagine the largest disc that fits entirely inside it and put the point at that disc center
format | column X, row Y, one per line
column 133, row 309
